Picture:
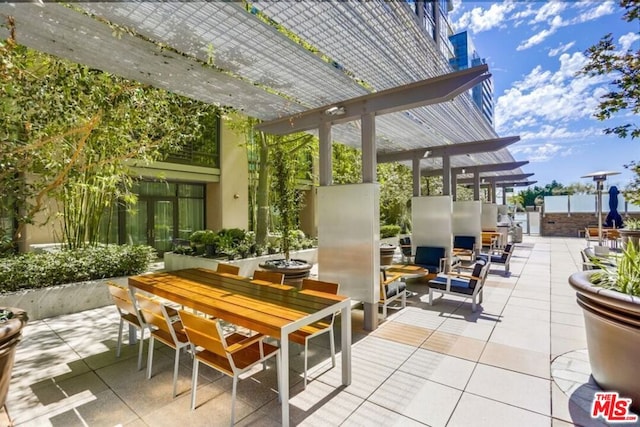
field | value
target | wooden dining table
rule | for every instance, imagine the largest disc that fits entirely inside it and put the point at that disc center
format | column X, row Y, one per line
column 271, row 309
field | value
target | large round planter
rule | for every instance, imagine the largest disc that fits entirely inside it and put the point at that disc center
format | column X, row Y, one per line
column 612, row 325
column 386, row 254
column 294, row 271
column 10, row 333
column 629, row 236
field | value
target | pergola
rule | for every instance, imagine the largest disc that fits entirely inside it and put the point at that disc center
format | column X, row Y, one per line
column 368, row 47
column 368, row 77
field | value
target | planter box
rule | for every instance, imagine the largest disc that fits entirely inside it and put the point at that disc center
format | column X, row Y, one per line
column 247, row 265
column 612, row 325
column 63, row 299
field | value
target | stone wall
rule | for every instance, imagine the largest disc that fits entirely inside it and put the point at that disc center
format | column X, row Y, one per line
column 564, row 225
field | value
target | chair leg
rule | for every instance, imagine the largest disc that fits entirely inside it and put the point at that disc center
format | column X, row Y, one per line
column 194, row 382
column 176, row 363
column 140, row 349
column 150, row 357
column 430, row 296
column 119, row 337
column 233, row 398
column 404, row 299
column 384, row 310
column 306, row 354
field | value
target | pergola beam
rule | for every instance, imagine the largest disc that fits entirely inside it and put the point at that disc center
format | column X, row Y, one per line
column 494, row 167
column 425, row 92
column 471, row 147
column 499, row 179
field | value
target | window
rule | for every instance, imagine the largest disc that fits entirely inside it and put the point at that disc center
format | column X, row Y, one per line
column 203, row 151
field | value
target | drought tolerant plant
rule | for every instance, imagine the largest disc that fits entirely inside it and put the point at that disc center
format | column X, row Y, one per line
column 625, row 276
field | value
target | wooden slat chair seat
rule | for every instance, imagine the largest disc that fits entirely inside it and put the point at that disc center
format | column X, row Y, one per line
column 303, row 335
column 269, row 276
column 130, row 314
column 164, row 328
column 456, row 283
column 391, row 288
column 228, row 268
column 231, row 355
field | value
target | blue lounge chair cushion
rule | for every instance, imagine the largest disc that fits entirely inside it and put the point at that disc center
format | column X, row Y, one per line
column 428, row 257
column 464, row 242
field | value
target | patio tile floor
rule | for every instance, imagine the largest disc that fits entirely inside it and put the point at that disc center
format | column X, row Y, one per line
column 520, row 360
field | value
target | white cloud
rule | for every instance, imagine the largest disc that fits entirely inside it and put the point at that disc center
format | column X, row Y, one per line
column 538, row 153
column 591, row 13
column 479, row 19
column 548, row 10
column 556, row 98
column 626, row 41
column 561, row 49
column 535, row 39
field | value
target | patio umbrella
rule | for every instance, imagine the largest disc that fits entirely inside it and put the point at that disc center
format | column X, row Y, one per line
column 613, row 218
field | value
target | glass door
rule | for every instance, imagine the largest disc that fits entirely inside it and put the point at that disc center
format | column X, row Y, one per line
column 151, row 222
column 162, row 229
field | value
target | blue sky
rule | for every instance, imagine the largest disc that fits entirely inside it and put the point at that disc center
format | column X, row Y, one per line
column 533, row 49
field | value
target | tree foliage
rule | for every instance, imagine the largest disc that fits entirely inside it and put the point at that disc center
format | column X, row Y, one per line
column 68, row 130
column 624, row 68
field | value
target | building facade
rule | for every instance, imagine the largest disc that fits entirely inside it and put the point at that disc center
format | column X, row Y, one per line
column 466, row 56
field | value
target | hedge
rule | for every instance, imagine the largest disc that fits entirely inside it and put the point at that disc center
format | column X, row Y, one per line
column 389, row 231
column 49, row 269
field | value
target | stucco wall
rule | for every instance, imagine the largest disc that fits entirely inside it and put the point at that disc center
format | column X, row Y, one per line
column 228, row 200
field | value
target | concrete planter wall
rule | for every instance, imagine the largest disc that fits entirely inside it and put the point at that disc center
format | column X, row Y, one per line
column 612, row 325
column 64, row 299
column 247, row 265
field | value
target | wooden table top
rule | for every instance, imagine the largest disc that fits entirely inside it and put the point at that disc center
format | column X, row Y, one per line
column 257, row 305
column 406, row 269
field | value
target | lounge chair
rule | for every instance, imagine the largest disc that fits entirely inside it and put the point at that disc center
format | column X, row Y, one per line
column 465, row 246
column 500, row 257
column 461, row 284
column 391, row 288
column 431, row 258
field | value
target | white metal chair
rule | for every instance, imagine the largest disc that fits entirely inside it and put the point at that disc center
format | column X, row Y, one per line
column 231, row 355
column 167, row 330
column 391, row 288
column 303, row 335
column 129, row 313
column 461, row 284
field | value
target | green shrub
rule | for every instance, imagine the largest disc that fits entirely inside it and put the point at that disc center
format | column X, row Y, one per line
column 389, row 231
column 50, row 269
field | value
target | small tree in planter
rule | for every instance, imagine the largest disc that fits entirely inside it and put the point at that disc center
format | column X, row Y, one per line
column 288, row 202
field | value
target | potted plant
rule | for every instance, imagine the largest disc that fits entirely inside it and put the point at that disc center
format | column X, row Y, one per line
column 197, row 241
column 12, row 321
column 631, row 231
column 610, row 299
column 211, row 241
